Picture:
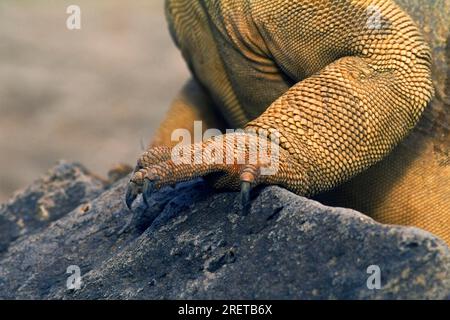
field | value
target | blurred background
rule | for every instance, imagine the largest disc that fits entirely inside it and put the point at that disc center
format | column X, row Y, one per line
column 90, row 95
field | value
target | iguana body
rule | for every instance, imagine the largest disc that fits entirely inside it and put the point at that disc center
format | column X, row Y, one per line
column 340, row 82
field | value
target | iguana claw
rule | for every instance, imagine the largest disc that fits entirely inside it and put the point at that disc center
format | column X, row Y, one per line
column 248, row 177
column 245, row 197
column 141, row 182
column 131, row 194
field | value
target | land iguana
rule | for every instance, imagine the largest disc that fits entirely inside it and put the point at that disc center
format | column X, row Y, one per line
column 355, row 92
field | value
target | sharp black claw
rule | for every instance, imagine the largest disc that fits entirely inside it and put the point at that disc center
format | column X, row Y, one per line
column 147, row 189
column 131, row 194
column 245, row 197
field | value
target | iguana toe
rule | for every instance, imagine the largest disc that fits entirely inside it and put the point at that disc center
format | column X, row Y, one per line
column 133, row 191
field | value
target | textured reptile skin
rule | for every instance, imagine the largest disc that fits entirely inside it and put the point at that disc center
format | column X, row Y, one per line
column 412, row 185
column 340, row 88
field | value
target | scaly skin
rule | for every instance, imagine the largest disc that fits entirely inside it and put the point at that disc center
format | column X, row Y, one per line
column 340, row 85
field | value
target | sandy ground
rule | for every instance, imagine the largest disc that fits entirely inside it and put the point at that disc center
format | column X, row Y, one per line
column 89, row 95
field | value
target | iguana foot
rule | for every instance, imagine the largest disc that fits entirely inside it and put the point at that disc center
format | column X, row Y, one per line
column 233, row 161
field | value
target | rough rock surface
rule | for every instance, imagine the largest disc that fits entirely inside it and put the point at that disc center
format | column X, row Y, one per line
column 193, row 243
column 60, row 191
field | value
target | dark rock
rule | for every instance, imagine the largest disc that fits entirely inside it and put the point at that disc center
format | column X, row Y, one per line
column 193, row 243
column 61, row 190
